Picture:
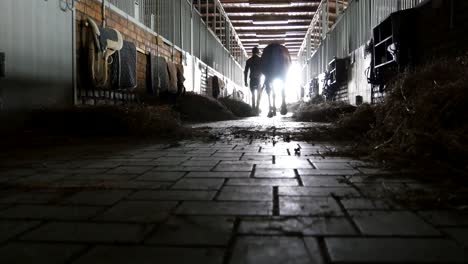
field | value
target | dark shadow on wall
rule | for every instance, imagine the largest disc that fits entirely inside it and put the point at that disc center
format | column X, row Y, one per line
column 30, row 94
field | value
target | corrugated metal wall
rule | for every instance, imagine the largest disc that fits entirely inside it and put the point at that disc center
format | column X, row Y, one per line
column 352, row 30
column 37, row 39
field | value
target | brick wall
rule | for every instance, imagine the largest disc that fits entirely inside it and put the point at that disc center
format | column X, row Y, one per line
column 139, row 35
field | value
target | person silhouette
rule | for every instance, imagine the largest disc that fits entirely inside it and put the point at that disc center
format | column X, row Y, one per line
column 253, row 66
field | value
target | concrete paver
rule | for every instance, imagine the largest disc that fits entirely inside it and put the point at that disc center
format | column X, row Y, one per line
column 394, row 250
column 246, row 193
column 309, row 206
column 150, row 255
column 137, row 211
column 318, row 191
column 161, row 176
column 88, row 232
column 307, row 226
column 460, row 234
column 270, row 250
column 194, row 230
column 172, row 195
column 199, row 184
column 231, row 174
column 445, row 217
column 323, row 181
column 263, row 182
column 274, row 173
column 392, row 223
column 51, row 212
column 24, row 253
column 102, row 197
column 352, row 203
column 234, row 200
column 225, row 208
column 9, row 228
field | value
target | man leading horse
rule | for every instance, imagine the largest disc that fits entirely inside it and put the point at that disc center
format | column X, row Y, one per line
column 274, row 65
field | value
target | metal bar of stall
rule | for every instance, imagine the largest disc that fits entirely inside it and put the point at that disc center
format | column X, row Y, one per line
column 173, row 31
column 181, row 37
column 206, row 12
column 214, row 17
column 199, row 32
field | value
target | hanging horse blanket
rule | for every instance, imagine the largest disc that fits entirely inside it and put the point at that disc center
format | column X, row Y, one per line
column 159, row 77
column 217, row 85
column 124, row 67
column 180, row 80
column 172, row 70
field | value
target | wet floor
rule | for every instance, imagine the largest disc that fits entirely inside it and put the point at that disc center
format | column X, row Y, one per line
column 260, row 122
column 236, row 199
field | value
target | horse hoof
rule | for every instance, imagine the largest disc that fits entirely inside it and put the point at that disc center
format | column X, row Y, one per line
column 284, row 110
column 270, row 114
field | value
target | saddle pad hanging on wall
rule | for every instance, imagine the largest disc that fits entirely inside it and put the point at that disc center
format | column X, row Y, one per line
column 215, row 86
column 171, row 68
column 159, row 77
column 124, row 67
column 180, row 79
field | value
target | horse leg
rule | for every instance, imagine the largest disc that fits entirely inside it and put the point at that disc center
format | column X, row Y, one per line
column 253, row 98
column 274, row 101
column 270, row 109
column 284, row 109
column 259, row 97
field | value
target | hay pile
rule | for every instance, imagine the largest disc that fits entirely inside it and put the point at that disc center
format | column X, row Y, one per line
column 422, row 120
column 317, row 111
column 107, row 121
column 356, row 124
column 294, row 107
column 198, row 108
column 238, row 108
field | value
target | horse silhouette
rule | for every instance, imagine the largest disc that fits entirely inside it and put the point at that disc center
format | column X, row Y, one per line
column 274, row 65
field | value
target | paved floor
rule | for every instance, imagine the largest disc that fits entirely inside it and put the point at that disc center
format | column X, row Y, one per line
column 235, row 200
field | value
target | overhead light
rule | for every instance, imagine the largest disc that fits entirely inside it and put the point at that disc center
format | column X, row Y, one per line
column 270, row 41
column 264, row 3
column 261, row 46
column 271, row 36
column 271, row 27
column 269, row 5
column 247, row 34
column 271, row 22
